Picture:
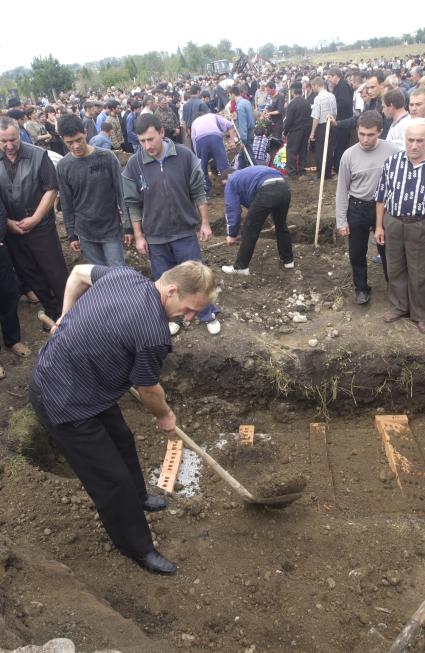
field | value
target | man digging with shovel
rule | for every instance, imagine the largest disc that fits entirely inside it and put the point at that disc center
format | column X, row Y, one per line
column 113, row 334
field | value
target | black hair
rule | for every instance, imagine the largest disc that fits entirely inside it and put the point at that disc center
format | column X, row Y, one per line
column 370, row 119
column 145, row 121
column 69, row 125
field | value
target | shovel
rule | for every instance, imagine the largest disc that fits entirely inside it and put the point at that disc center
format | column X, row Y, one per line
column 273, row 500
column 276, row 500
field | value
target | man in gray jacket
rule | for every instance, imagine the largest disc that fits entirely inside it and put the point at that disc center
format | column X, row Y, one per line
column 359, row 172
column 165, row 197
column 90, row 186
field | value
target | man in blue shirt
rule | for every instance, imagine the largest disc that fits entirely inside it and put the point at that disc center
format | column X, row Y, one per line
column 132, row 138
column 263, row 191
column 103, row 138
column 245, row 124
column 102, row 117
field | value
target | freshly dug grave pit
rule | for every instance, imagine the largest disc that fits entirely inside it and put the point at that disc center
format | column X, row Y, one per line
column 247, row 577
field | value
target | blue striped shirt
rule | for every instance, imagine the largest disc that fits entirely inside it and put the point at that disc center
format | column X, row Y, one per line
column 402, row 187
column 115, row 336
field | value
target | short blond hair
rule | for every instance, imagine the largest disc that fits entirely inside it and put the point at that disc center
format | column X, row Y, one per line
column 191, row 277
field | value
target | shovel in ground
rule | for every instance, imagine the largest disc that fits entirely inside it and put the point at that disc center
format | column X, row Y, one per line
column 292, row 493
column 286, row 495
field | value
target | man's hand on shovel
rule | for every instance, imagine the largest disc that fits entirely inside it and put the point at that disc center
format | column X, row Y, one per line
column 167, row 424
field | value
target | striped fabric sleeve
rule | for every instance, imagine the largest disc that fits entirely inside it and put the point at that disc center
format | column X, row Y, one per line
column 99, row 271
column 147, row 365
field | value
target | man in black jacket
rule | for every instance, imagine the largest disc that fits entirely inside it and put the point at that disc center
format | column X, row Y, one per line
column 297, row 128
column 344, row 104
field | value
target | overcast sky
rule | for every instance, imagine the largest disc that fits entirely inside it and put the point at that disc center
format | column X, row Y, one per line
column 78, row 32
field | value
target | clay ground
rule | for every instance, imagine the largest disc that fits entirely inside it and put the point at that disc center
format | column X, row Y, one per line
column 339, row 571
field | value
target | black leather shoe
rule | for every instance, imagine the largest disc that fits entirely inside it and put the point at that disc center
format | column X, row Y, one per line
column 156, row 563
column 153, row 503
column 362, row 296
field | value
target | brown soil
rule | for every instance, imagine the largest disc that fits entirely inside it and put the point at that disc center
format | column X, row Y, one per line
column 341, row 570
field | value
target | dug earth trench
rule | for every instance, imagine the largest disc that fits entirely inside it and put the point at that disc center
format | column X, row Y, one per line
column 341, row 570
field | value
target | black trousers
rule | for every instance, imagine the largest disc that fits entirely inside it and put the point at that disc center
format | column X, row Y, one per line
column 9, row 297
column 342, row 139
column 102, row 453
column 361, row 218
column 271, row 199
column 40, row 265
column 296, row 151
column 319, row 147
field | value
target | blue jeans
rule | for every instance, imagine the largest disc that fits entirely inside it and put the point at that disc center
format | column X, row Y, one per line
column 166, row 256
column 110, row 253
column 211, row 147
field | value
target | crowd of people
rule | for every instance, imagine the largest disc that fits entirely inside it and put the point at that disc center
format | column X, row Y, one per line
column 112, row 326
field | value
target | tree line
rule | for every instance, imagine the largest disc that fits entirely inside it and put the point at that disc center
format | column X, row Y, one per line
column 47, row 76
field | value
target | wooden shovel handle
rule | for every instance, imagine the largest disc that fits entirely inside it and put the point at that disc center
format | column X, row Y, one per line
column 228, row 478
column 45, row 319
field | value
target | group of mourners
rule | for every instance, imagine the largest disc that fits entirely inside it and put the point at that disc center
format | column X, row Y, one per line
column 113, row 326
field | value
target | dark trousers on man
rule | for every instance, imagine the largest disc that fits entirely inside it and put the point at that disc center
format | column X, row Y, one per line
column 102, row 453
column 39, row 262
column 211, row 147
column 8, row 300
column 319, row 150
column 270, row 199
column 296, row 151
column 342, row 139
column 405, row 243
column 361, row 218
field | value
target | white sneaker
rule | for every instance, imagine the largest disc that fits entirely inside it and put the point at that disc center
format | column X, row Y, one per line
column 289, row 266
column 213, row 327
column 229, row 269
column 174, row 327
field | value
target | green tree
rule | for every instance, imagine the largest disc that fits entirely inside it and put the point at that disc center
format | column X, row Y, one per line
column 224, row 49
column 420, row 35
column 267, row 50
column 193, row 56
column 47, row 74
column 131, row 67
column 113, row 76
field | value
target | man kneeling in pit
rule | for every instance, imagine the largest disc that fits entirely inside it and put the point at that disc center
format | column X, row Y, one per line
column 113, row 334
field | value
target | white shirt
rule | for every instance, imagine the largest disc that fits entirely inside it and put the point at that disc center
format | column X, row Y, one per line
column 396, row 131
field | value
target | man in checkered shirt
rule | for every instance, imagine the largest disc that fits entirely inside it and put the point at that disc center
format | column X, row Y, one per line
column 400, row 224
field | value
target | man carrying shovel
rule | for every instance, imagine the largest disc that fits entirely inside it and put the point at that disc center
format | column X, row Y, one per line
column 113, row 334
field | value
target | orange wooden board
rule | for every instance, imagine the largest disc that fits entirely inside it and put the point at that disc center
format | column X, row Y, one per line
column 171, row 465
column 246, row 435
column 404, row 456
column 322, row 482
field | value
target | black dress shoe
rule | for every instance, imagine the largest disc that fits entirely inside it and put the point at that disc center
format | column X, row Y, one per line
column 362, row 296
column 156, row 563
column 153, row 503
